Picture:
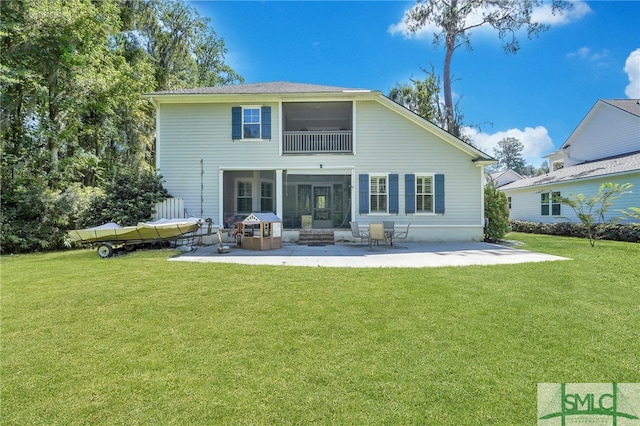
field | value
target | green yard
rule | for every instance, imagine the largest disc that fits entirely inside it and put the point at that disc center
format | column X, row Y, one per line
column 139, row 340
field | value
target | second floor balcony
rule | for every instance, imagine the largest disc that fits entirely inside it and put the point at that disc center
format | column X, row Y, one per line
column 317, row 142
column 317, row 128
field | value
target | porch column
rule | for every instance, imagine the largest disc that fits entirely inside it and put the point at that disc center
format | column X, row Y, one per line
column 220, row 199
column 354, row 194
column 279, row 192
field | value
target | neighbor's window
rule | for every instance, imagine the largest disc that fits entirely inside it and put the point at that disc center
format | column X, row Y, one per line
column 266, row 196
column 424, row 194
column 550, row 204
column 509, row 201
column 378, row 194
column 244, row 197
column 251, row 123
column 555, row 203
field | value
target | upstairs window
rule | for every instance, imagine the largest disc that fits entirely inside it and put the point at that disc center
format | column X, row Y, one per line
column 251, row 123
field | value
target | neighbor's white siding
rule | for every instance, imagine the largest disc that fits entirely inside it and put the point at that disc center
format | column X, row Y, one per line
column 606, row 131
column 525, row 202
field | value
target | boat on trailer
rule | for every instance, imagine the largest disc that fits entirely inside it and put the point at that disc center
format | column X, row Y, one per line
column 112, row 236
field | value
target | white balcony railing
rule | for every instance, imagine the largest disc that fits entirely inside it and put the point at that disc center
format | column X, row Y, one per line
column 312, row 142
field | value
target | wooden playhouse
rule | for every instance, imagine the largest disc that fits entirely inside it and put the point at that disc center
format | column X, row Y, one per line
column 260, row 231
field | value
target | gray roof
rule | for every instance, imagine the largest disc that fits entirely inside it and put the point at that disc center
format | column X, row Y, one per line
column 613, row 165
column 261, row 217
column 631, row 106
column 260, row 88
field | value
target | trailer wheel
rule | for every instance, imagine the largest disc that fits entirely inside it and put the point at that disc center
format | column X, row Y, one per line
column 105, row 250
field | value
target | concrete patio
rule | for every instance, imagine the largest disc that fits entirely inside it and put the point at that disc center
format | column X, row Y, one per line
column 411, row 255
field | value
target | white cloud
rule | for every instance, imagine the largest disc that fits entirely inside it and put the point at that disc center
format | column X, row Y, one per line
column 632, row 68
column 586, row 53
column 536, row 141
column 543, row 14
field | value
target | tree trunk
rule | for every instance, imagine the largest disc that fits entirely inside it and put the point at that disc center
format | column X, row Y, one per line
column 450, row 28
column 446, row 82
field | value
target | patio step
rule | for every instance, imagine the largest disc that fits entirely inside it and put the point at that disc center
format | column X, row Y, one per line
column 316, row 237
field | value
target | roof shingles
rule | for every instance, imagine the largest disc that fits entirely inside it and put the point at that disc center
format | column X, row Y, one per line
column 620, row 164
column 632, row 106
column 260, row 88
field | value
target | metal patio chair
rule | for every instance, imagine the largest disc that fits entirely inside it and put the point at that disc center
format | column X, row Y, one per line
column 357, row 233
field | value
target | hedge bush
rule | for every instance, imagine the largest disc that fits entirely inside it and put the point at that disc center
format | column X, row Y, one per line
column 617, row 232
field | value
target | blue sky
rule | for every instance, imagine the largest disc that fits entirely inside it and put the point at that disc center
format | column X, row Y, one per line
column 538, row 95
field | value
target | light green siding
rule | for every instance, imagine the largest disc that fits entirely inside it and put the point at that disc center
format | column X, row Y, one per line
column 195, row 144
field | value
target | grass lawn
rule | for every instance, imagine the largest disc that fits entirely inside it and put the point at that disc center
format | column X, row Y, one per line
column 139, row 340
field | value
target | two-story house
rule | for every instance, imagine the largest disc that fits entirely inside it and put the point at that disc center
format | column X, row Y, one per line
column 605, row 147
column 316, row 156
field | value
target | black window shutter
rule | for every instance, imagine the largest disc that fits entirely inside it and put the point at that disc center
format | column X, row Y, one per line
column 266, row 122
column 410, row 193
column 393, row 194
column 364, row 193
column 439, row 187
column 236, row 123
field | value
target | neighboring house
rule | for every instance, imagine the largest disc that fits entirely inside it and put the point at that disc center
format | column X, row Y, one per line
column 504, row 177
column 316, row 156
column 605, row 147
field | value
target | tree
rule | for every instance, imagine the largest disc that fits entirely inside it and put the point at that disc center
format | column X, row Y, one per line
column 71, row 115
column 509, row 155
column 185, row 50
column 423, row 98
column 591, row 210
column 453, row 18
column 419, row 96
column 633, row 213
column 496, row 210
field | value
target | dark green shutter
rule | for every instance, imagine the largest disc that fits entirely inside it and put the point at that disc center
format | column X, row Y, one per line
column 410, row 193
column 364, row 193
column 265, row 111
column 439, row 187
column 393, row 194
column 236, row 123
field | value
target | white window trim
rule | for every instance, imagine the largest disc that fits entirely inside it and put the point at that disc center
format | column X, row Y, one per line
column 379, row 213
column 236, row 181
column 242, row 123
column 273, row 190
column 550, row 204
column 433, row 187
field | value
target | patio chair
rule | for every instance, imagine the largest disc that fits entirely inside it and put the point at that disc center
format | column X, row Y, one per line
column 401, row 235
column 357, row 233
column 389, row 229
column 376, row 233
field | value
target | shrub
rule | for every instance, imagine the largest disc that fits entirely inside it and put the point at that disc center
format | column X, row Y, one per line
column 496, row 211
column 629, row 232
column 128, row 198
column 34, row 217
